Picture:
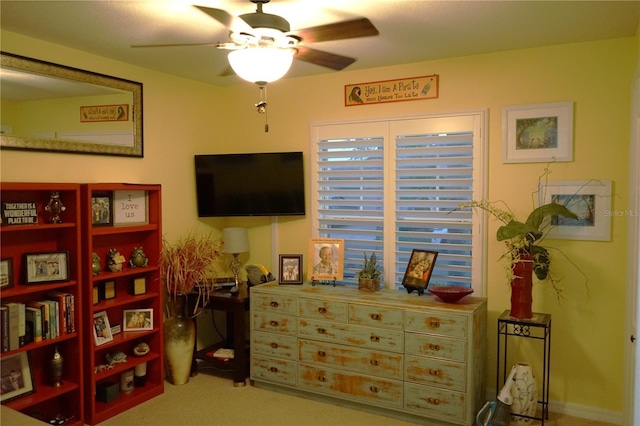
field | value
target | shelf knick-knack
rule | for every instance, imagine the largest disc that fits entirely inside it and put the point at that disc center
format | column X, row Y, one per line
column 55, row 207
column 56, row 364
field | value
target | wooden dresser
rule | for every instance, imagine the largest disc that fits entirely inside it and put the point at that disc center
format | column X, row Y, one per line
column 397, row 354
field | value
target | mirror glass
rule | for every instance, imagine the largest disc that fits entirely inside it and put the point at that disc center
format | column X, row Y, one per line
column 50, row 107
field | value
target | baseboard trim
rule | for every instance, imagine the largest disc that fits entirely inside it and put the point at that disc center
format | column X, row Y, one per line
column 577, row 410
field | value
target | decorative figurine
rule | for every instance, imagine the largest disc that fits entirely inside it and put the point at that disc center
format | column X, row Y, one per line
column 95, row 264
column 117, row 357
column 55, row 207
column 141, row 349
column 115, row 260
column 138, row 259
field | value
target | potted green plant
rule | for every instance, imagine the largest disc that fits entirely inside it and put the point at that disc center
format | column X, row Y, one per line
column 369, row 275
column 184, row 267
column 524, row 253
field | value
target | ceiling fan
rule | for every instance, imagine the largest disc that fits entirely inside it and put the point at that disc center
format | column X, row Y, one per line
column 254, row 36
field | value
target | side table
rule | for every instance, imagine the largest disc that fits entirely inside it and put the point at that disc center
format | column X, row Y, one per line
column 538, row 327
column 236, row 306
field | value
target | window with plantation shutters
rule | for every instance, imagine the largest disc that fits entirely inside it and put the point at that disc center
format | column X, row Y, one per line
column 392, row 186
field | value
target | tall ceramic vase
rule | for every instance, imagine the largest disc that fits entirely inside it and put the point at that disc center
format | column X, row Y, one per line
column 524, row 392
column 179, row 338
column 522, row 288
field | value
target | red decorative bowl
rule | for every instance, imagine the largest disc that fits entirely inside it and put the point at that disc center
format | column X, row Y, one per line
column 450, row 293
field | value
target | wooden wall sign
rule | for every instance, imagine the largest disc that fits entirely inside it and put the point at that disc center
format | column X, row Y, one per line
column 401, row 90
column 95, row 113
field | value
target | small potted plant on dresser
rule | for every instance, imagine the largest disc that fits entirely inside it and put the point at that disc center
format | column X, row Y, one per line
column 369, row 275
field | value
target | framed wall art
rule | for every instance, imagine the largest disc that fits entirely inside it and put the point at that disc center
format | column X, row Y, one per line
column 326, row 259
column 46, row 267
column 17, row 377
column 419, row 268
column 537, row 133
column 290, row 269
column 6, row 273
column 101, row 328
column 130, row 208
column 137, row 319
column 101, row 209
column 589, row 200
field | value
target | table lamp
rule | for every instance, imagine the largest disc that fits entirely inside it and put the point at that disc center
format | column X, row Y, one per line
column 236, row 241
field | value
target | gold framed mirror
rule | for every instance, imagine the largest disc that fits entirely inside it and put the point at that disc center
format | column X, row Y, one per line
column 55, row 108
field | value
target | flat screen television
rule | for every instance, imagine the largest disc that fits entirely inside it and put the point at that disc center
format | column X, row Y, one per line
column 257, row 184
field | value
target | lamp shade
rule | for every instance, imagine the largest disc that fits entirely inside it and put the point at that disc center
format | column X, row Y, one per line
column 236, row 240
column 261, row 65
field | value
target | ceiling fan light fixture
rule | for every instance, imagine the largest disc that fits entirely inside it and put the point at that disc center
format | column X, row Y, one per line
column 261, row 65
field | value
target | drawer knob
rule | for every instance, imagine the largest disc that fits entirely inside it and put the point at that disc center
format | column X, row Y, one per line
column 434, row 323
column 322, row 379
column 321, row 331
column 274, row 345
column 434, row 347
column 433, row 401
column 375, row 338
column 375, row 317
column 322, row 310
column 433, row 372
column 273, row 369
column 274, row 304
column 374, row 362
column 274, row 323
column 322, row 353
column 374, row 389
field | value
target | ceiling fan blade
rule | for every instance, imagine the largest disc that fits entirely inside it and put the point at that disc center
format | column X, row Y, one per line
column 226, row 72
column 175, row 45
column 324, row 59
column 361, row 27
column 234, row 23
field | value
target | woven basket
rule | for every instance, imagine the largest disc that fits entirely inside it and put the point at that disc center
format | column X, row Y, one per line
column 369, row 284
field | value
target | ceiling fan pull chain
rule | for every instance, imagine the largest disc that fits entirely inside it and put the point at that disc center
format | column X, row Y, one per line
column 262, row 106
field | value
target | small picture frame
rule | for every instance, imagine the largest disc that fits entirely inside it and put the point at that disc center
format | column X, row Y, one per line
column 589, row 200
column 537, row 133
column 290, row 269
column 48, row 267
column 101, row 328
column 101, row 209
column 6, row 273
column 326, row 259
column 137, row 319
column 139, row 286
column 17, row 377
column 108, row 290
column 130, row 208
column 419, row 269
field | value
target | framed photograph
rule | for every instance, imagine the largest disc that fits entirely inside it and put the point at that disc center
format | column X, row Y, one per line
column 6, row 273
column 326, row 259
column 537, row 133
column 17, row 378
column 46, row 267
column 101, row 328
column 139, row 286
column 419, row 268
column 290, row 269
column 101, row 209
column 130, row 208
column 108, row 290
column 589, row 200
column 137, row 319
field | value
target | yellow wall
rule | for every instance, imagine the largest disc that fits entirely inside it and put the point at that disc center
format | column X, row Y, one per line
column 183, row 118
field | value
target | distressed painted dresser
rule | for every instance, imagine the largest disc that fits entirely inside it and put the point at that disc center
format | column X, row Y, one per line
column 389, row 352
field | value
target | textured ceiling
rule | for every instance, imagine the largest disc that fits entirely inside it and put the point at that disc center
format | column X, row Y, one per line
column 410, row 30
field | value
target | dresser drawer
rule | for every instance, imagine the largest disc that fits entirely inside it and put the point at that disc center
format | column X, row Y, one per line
column 271, row 344
column 323, row 309
column 274, row 370
column 353, row 386
column 437, row 372
column 376, row 316
column 380, row 339
column 274, row 323
column 375, row 363
column 431, row 345
column 435, row 403
column 436, row 323
column 274, row 303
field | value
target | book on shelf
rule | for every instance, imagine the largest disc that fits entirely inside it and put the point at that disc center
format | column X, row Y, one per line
column 14, row 325
column 4, row 329
column 53, row 318
column 44, row 315
column 34, row 316
column 64, row 310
